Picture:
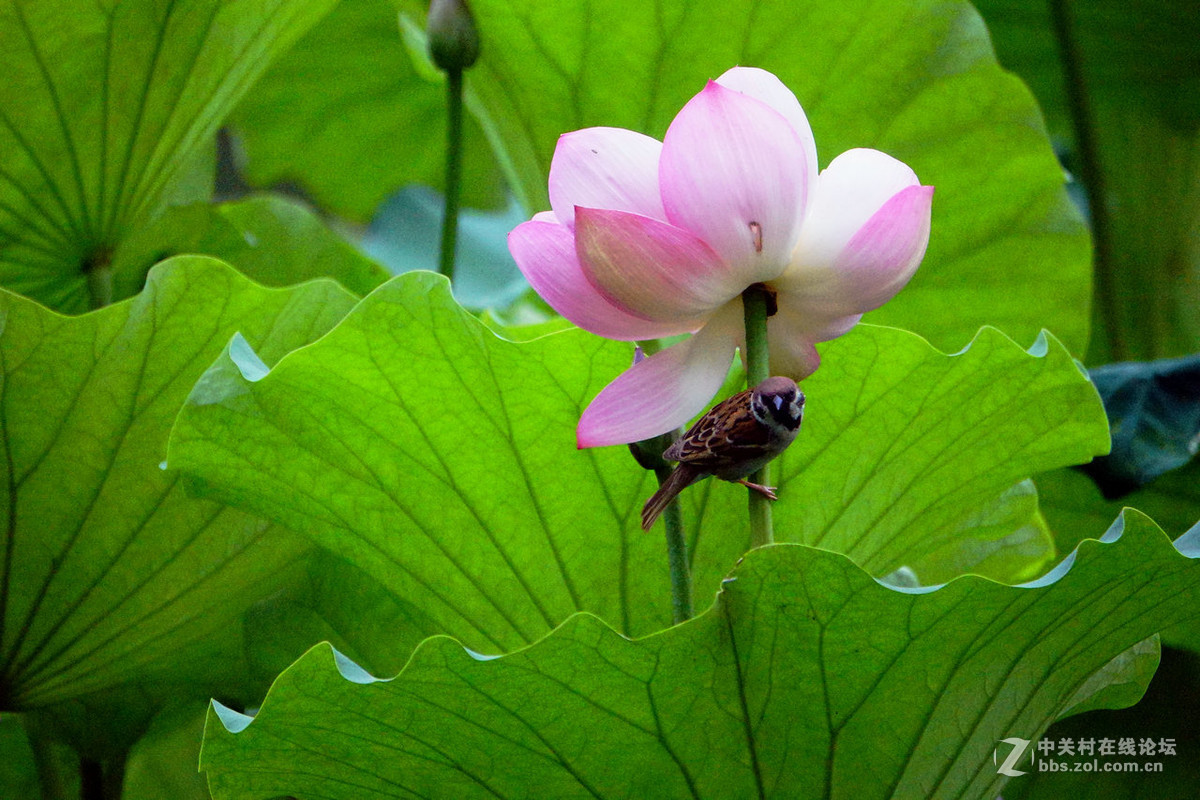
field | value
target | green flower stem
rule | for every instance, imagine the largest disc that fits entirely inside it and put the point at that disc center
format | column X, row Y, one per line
column 756, row 303
column 454, row 116
column 677, row 555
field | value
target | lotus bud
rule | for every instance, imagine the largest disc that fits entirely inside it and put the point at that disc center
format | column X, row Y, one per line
column 453, row 38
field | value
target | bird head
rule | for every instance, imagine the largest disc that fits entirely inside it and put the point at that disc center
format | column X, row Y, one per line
column 778, row 402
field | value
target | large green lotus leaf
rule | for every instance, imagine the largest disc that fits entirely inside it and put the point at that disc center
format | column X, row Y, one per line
column 105, row 108
column 441, row 459
column 1072, row 503
column 1021, row 545
column 272, row 240
column 112, row 577
column 336, row 602
column 909, row 440
column 918, row 80
column 807, row 678
column 1170, row 711
column 350, row 116
column 1140, row 94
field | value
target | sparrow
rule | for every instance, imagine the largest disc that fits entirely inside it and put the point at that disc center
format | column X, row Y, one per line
column 736, row 438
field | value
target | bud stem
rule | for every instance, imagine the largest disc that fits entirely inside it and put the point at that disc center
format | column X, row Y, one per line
column 454, row 111
column 756, row 301
column 677, row 557
column 677, row 553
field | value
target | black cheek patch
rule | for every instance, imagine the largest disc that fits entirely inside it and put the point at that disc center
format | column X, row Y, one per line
column 785, row 419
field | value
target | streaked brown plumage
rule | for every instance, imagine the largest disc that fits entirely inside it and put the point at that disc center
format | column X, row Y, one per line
column 735, row 439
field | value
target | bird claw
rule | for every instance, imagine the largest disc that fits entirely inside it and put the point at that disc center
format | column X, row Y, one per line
column 766, row 491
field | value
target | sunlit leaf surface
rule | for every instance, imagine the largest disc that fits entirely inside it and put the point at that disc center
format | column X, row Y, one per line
column 441, row 459
column 806, row 679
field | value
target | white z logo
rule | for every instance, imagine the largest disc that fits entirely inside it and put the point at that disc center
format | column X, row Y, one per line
column 1018, row 750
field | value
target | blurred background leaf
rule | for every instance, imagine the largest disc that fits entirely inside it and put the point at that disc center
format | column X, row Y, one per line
column 273, row 240
column 1154, row 413
column 405, row 235
column 108, row 116
column 1119, row 81
column 350, row 115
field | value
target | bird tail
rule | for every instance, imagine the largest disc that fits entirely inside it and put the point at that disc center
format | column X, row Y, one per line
column 679, row 479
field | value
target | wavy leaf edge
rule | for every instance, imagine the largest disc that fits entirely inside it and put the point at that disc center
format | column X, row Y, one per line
column 234, row 722
column 438, row 287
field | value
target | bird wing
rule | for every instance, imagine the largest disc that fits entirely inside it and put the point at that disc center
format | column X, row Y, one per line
column 709, row 445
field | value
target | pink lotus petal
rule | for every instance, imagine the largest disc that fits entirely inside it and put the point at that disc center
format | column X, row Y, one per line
column 791, row 355
column 545, row 254
column 847, row 194
column 833, row 328
column 650, row 268
column 791, row 335
column 734, row 172
column 762, row 85
column 865, row 235
column 884, row 254
column 665, row 390
column 605, row 168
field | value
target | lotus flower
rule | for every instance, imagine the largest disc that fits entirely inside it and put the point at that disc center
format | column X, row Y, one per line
column 650, row 239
